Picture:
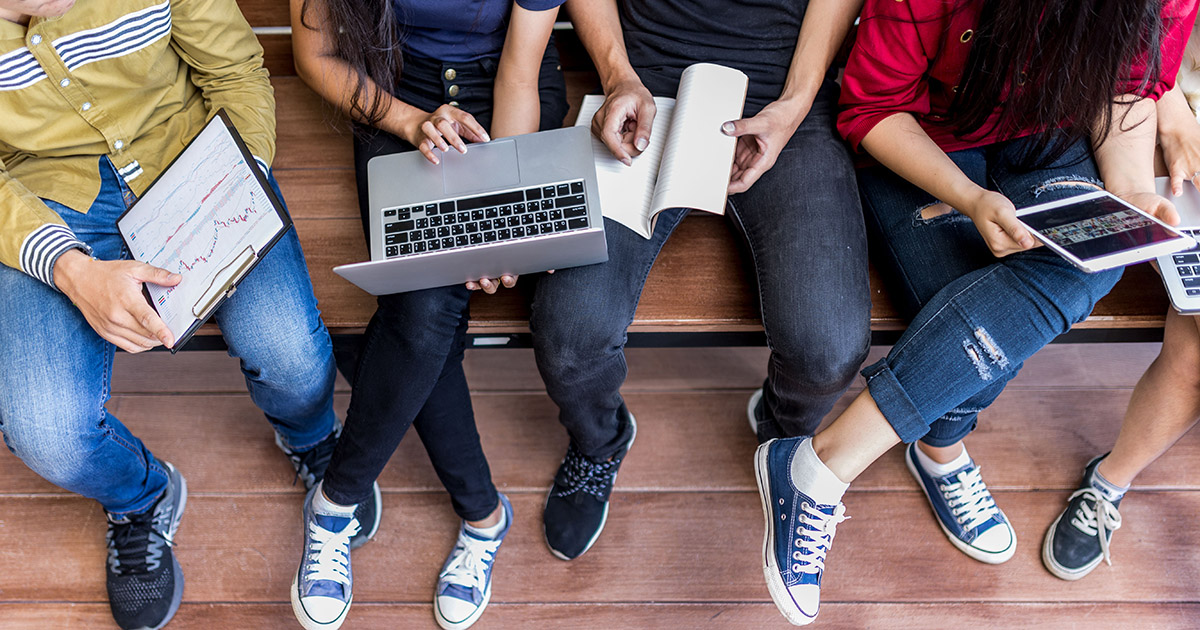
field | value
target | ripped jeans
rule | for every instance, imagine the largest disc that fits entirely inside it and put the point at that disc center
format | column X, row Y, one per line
column 974, row 318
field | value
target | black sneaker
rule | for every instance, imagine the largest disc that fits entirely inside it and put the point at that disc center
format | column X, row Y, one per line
column 145, row 583
column 1079, row 538
column 310, row 465
column 577, row 505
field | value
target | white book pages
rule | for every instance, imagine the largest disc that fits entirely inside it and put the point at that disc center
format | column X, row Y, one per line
column 627, row 192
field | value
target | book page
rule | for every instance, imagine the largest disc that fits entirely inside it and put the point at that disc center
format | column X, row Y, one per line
column 626, row 192
column 206, row 217
column 697, row 159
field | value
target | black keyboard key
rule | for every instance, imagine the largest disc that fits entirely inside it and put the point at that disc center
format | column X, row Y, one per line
column 422, row 224
column 435, row 245
column 476, row 238
column 555, row 215
column 406, row 249
column 484, row 201
column 472, row 228
column 532, row 230
column 514, row 221
column 396, row 239
column 560, row 226
column 389, row 213
column 431, row 208
column 414, row 235
column 542, row 217
column 445, row 206
column 485, row 225
column 457, row 229
column 526, row 219
column 459, row 241
column 547, row 192
column 429, row 233
column 393, row 251
column 547, row 204
column 573, row 200
column 1196, row 270
column 399, row 226
column 518, row 208
column 577, row 223
column 518, row 232
column 576, row 188
column 463, row 217
column 504, row 234
column 405, row 214
column 477, row 215
column 1191, row 282
column 443, row 232
column 563, row 189
column 533, row 193
column 435, row 221
column 1184, row 271
column 489, row 237
column 491, row 213
column 574, row 213
column 450, row 219
column 447, row 242
column 1193, row 292
column 505, row 211
column 1186, row 259
column 418, row 247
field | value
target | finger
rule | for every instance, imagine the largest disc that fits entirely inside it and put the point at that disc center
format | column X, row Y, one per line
column 549, row 271
column 431, row 132
column 124, row 332
column 1017, row 232
column 471, row 128
column 489, row 286
column 645, row 123
column 610, row 135
column 427, row 150
column 154, row 325
column 508, row 281
column 1165, row 210
column 745, row 179
column 1177, row 178
column 446, row 126
column 472, row 286
column 127, row 344
column 154, row 275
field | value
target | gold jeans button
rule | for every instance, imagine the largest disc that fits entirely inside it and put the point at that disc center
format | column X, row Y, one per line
column 450, row 74
column 453, row 91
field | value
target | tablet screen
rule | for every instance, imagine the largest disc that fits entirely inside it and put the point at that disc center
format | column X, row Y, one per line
column 1097, row 227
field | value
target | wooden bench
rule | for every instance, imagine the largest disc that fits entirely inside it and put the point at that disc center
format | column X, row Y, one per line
column 699, row 292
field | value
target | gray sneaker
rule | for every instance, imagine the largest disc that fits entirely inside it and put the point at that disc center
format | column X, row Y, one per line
column 323, row 587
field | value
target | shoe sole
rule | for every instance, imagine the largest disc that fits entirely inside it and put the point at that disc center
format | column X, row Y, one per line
column 446, row 624
column 775, row 586
column 971, row 552
column 1056, row 569
column 754, row 398
column 603, row 517
column 377, row 497
column 177, row 595
column 305, row 621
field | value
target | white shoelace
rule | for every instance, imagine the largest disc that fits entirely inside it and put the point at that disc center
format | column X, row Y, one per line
column 469, row 562
column 969, row 499
column 329, row 553
column 815, row 530
column 1096, row 522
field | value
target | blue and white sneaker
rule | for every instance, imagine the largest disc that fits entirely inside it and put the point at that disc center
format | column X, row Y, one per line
column 323, row 586
column 464, row 586
column 798, row 533
column 966, row 511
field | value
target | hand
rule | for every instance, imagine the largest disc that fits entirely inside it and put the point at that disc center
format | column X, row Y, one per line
column 490, row 286
column 624, row 121
column 109, row 294
column 1160, row 207
column 446, row 127
column 1181, row 154
column 759, row 141
column 996, row 219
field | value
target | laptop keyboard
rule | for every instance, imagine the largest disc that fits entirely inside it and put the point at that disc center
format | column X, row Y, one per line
column 484, row 219
column 1187, row 264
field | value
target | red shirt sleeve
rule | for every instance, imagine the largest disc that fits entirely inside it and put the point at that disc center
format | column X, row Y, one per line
column 1178, row 16
column 886, row 71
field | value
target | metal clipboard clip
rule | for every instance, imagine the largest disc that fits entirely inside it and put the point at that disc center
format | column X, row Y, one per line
column 224, row 283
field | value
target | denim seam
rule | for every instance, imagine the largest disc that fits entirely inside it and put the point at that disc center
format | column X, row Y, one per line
column 737, row 216
column 645, row 274
column 946, row 305
column 866, row 202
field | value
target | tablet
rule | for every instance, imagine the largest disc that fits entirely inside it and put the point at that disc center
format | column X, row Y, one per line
column 1097, row 231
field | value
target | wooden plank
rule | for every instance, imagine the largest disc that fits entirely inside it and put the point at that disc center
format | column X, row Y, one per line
column 686, row 442
column 643, row 615
column 238, row 548
column 277, row 54
column 265, row 12
column 312, row 136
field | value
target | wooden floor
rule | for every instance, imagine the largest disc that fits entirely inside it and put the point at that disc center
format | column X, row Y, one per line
column 682, row 543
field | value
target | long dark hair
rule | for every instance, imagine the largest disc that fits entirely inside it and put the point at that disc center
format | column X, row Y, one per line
column 1055, row 64
column 366, row 35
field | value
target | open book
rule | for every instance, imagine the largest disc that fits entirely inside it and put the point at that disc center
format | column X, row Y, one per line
column 687, row 162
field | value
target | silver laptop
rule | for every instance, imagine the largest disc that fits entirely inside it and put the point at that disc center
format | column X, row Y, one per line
column 1181, row 271
column 512, row 206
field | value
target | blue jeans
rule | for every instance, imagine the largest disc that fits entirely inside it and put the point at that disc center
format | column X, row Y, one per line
column 55, row 371
column 975, row 318
column 804, row 228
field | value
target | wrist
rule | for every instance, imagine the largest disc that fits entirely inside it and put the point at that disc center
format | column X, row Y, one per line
column 67, row 268
column 624, row 79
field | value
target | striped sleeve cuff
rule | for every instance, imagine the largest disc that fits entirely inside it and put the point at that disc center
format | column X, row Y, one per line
column 42, row 248
column 266, row 170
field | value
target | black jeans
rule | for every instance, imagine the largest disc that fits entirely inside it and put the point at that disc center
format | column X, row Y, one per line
column 409, row 365
column 803, row 225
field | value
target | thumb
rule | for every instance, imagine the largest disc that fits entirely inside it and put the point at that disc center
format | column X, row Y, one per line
column 742, row 127
column 155, row 275
column 1017, row 231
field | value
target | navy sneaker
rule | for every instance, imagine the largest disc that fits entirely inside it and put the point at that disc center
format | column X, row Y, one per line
column 311, row 464
column 323, row 587
column 1079, row 538
column 464, row 586
column 798, row 533
column 145, row 583
column 966, row 511
column 577, row 504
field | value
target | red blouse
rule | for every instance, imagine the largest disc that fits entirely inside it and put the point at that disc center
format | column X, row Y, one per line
column 909, row 56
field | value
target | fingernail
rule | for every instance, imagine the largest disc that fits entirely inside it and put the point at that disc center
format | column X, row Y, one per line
column 728, row 128
column 486, row 137
column 641, row 144
column 627, row 161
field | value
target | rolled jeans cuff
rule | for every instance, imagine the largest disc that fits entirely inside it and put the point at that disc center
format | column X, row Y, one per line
column 893, row 401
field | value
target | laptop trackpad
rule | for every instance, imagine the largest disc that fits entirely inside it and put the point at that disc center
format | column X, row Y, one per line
column 488, row 166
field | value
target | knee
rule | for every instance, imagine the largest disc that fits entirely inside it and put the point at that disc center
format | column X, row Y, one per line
column 819, row 365
column 55, row 437
column 568, row 343
column 425, row 322
column 301, row 364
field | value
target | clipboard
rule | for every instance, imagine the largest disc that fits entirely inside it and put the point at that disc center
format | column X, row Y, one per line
column 197, row 210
